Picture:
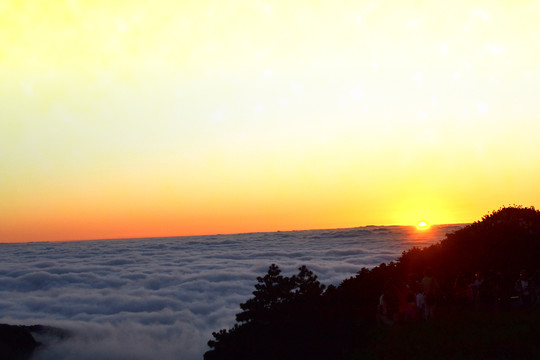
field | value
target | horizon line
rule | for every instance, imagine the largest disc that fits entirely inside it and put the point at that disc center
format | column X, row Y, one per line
column 218, row 234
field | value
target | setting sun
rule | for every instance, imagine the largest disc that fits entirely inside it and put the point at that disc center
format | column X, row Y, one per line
column 422, row 225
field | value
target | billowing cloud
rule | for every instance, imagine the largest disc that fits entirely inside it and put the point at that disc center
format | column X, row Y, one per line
column 162, row 298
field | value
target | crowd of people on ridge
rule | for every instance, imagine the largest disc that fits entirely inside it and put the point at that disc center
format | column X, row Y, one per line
column 420, row 297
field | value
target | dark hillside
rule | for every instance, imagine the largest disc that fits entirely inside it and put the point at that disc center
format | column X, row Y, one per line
column 506, row 241
column 463, row 335
column 16, row 342
column 469, row 278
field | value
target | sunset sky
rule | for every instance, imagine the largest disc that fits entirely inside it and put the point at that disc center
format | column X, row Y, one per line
column 166, row 117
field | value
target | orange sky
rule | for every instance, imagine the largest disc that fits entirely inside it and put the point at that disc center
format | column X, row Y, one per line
column 162, row 118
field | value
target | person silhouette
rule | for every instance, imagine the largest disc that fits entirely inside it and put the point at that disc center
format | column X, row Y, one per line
column 523, row 289
column 431, row 293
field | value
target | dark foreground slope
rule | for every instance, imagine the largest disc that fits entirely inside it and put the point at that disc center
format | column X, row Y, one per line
column 463, row 335
column 297, row 318
column 17, row 342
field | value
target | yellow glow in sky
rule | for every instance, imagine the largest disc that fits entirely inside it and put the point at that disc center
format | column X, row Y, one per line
column 155, row 118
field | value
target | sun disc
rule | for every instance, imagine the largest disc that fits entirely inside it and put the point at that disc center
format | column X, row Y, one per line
column 422, row 225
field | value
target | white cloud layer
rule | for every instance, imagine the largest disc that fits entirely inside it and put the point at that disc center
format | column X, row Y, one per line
column 162, row 298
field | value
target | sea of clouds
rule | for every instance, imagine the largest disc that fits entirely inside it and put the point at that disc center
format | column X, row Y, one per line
column 161, row 298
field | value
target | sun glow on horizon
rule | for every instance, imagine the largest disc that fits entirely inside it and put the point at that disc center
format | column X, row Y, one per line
column 422, row 225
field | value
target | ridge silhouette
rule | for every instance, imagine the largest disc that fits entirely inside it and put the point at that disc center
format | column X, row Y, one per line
column 298, row 318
